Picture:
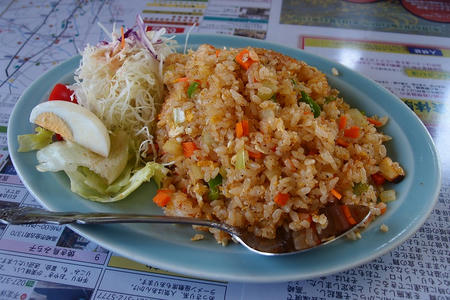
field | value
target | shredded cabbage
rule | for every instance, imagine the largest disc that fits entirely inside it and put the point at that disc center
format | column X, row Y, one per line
column 124, row 87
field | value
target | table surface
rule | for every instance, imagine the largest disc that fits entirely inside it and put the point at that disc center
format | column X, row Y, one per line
column 409, row 40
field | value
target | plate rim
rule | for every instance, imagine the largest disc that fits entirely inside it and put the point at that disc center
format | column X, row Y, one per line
column 242, row 277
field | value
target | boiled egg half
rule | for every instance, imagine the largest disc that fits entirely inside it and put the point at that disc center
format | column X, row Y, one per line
column 74, row 123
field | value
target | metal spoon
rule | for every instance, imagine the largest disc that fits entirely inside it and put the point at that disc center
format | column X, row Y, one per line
column 285, row 242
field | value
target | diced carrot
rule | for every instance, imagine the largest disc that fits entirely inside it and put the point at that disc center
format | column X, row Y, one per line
column 374, row 122
column 239, row 130
column 312, row 152
column 122, row 42
column 242, row 128
column 217, row 52
column 162, row 197
column 244, row 60
column 378, row 178
column 342, row 122
column 245, row 127
column 281, row 199
column 188, row 148
column 383, row 210
column 255, row 155
column 182, row 79
column 348, row 214
column 352, row 132
column 342, row 142
column 336, row 194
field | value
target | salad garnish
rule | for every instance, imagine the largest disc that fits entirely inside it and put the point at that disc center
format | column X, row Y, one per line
column 121, row 83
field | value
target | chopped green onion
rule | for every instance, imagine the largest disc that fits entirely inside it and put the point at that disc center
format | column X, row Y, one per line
column 315, row 108
column 196, row 172
column 215, row 181
column 387, row 196
column 360, row 188
column 241, row 159
column 178, row 115
column 274, row 97
column 192, row 89
column 265, row 93
column 213, row 187
column 357, row 117
column 330, row 99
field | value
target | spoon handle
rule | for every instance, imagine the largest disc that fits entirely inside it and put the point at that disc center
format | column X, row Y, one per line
column 31, row 215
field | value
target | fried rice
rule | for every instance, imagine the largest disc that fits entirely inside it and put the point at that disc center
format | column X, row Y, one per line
column 260, row 140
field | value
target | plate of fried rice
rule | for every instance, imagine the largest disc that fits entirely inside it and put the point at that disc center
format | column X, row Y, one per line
column 260, row 136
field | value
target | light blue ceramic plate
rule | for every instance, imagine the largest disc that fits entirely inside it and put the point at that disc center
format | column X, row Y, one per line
column 169, row 247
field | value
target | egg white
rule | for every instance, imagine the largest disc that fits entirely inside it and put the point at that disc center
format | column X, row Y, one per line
column 74, row 123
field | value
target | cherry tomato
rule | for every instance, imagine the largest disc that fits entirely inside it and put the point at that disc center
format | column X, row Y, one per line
column 61, row 92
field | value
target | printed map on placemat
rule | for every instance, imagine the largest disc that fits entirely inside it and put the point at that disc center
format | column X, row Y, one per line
column 35, row 37
column 385, row 15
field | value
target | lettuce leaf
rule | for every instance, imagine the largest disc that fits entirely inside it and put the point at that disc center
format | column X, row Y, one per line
column 34, row 141
column 98, row 178
column 68, row 156
column 89, row 185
